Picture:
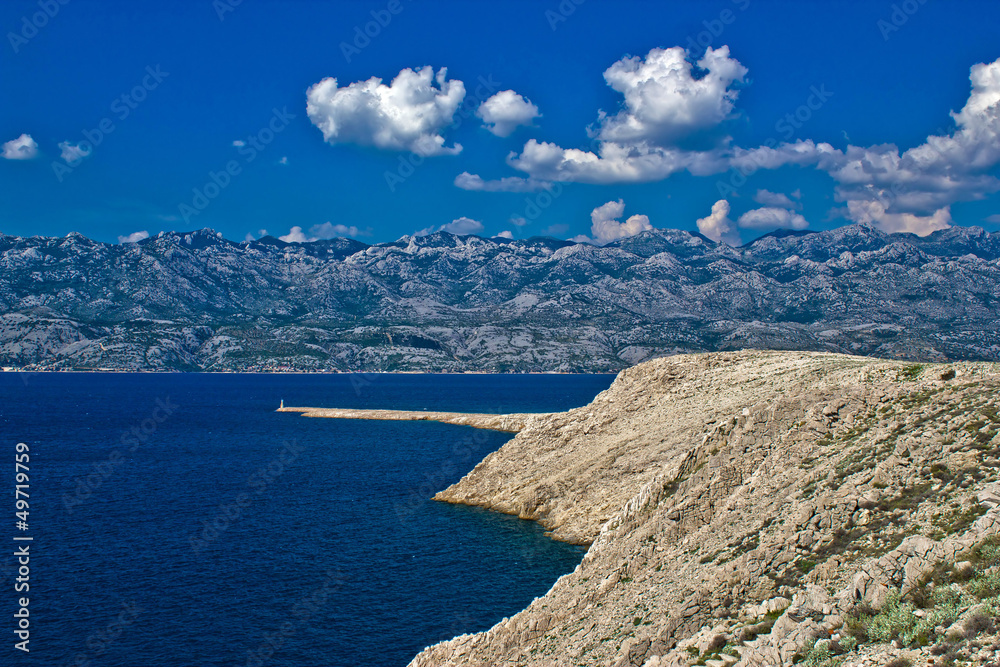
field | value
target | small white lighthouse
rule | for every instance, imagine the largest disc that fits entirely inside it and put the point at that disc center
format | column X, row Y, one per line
column 282, row 406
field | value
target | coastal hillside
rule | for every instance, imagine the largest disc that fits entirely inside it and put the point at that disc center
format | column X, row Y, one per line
column 758, row 508
column 197, row 301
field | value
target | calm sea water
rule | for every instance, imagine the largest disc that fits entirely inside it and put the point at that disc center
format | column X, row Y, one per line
column 178, row 520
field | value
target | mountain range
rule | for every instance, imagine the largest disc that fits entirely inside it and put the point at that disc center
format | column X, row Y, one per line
column 440, row 302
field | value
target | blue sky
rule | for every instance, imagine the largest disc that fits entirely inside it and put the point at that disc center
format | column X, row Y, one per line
column 671, row 143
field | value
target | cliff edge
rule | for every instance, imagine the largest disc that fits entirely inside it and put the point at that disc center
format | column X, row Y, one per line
column 757, row 508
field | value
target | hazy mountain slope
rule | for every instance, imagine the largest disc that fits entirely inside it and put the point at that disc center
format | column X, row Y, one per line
column 442, row 302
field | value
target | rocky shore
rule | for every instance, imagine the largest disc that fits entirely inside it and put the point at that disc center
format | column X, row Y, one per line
column 757, row 508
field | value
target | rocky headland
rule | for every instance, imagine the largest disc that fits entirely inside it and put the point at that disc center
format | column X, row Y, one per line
column 757, row 508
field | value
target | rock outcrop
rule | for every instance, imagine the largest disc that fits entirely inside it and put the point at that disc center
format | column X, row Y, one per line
column 741, row 507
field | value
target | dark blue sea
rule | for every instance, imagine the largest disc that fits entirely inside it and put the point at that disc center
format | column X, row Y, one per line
column 177, row 519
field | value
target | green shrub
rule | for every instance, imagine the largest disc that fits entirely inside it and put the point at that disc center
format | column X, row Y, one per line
column 985, row 586
column 895, row 619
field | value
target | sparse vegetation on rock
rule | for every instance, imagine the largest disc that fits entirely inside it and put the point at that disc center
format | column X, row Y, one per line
column 758, row 509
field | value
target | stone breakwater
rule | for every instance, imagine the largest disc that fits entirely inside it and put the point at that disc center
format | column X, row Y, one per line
column 758, row 509
column 510, row 423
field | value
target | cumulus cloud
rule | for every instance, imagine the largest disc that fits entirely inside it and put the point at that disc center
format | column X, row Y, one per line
column 463, row 225
column 671, row 119
column 874, row 213
column 666, row 104
column 73, row 153
column 521, row 221
column 606, row 225
column 283, row 160
column 467, row 181
column 612, row 163
column 717, row 225
column 22, row 148
column 261, row 233
column 505, row 112
column 239, row 143
column 778, row 199
column 505, row 234
column 296, row 235
column 409, row 114
column 327, row 230
column 459, row 226
column 134, row 237
column 665, row 101
column 771, row 217
column 924, row 180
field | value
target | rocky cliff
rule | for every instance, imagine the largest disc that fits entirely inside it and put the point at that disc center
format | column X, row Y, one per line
column 757, row 508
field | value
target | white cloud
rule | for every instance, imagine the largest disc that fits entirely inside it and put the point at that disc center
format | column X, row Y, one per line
column 324, row 231
column 874, row 213
column 329, row 230
column 261, row 233
column 993, row 218
column 505, row 112
column 923, row 180
column 239, row 143
column 463, row 225
column 771, row 217
column 614, row 163
column 283, row 160
column 505, row 234
column 296, row 235
column 669, row 109
column 467, row 181
column 22, row 148
column 717, row 225
column 518, row 220
column 605, row 225
column 134, row 237
column 73, row 153
column 459, row 226
column 664, row 101
column 407, row 115
column 778, row 199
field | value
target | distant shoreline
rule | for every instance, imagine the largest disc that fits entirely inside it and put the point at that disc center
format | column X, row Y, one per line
column 110, row 371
